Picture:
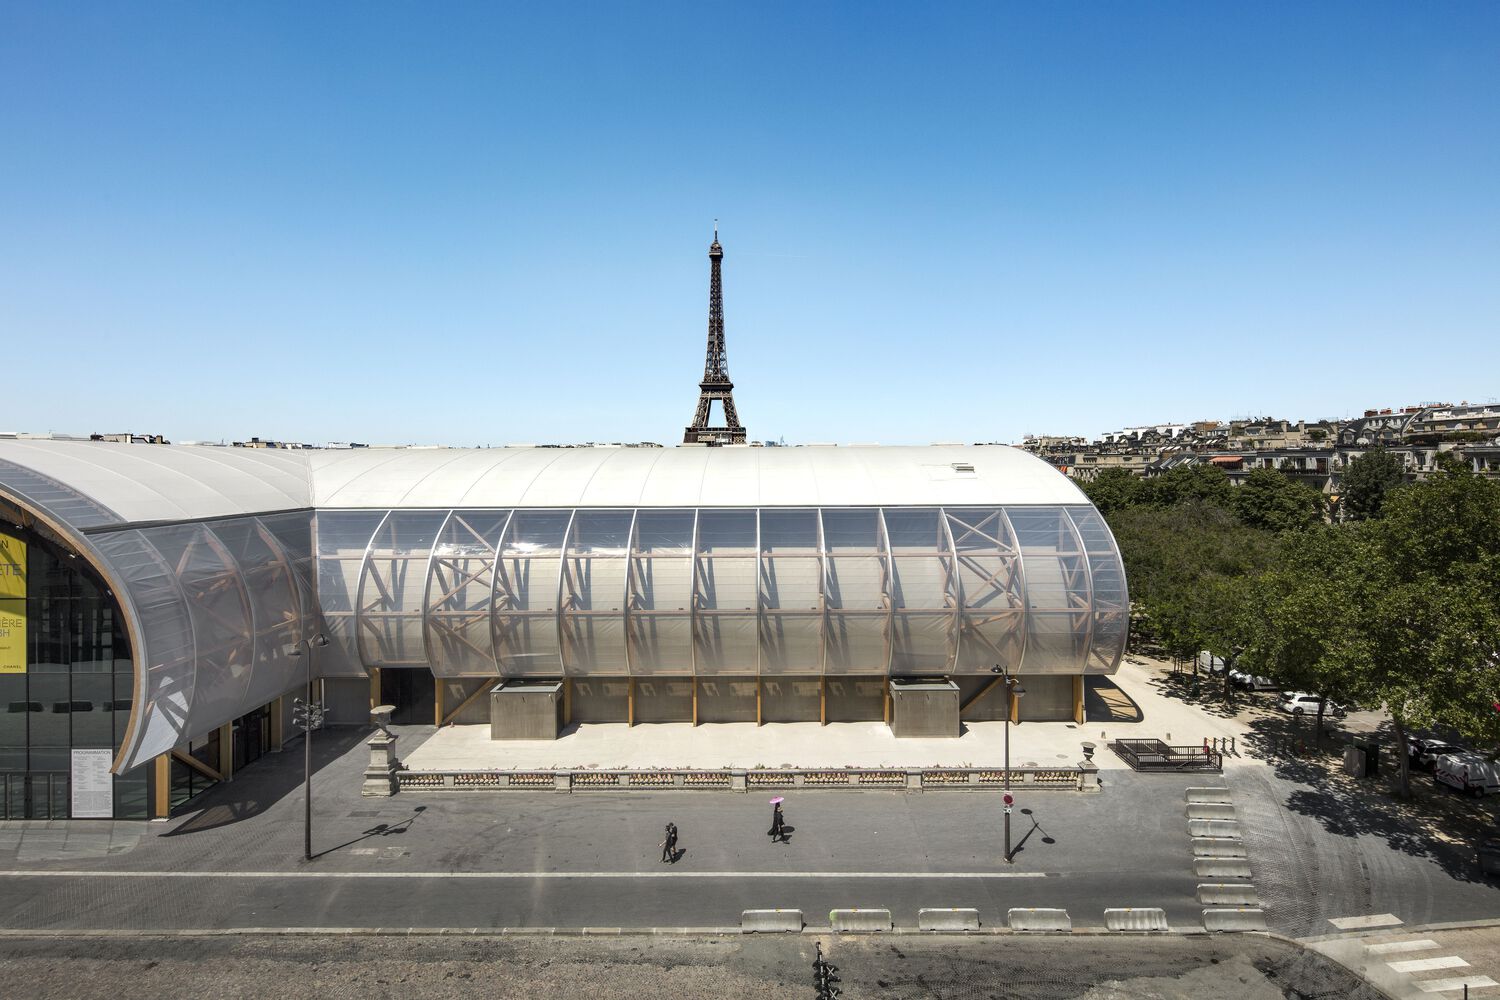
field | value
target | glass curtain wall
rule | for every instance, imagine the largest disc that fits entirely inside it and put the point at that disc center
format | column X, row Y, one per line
column 73, row 690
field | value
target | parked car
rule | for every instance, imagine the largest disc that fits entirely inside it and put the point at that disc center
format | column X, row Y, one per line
column 1251, row 682
column 1425, row 753
column 1469, row 772
column 1299, row 702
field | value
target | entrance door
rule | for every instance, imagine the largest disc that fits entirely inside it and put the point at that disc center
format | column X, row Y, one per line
column 411, row 691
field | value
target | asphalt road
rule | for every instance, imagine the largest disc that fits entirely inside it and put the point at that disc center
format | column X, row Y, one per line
column 891, row 967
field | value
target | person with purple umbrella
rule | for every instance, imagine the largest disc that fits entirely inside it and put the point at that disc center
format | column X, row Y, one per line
column 778, row 822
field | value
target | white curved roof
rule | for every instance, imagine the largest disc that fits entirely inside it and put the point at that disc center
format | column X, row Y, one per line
column 185, row 482
column 142, row 482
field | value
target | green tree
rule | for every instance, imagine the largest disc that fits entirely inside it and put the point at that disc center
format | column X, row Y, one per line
column 1182, row 483
column 1113, row 490
column 1275, row 502
column 1368, row 480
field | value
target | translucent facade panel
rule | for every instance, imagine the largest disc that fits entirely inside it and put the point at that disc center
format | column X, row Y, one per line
column 343, row 537
column 922, row 580
column 921, row 643
column 1106, row 573
column 792, row 643
column 393, row 589
column 1108, row 643
column 594, row 592
column 992, row 590
column 528, row 581
column 659, row 628
column 270, row 580
column 460, row 591
column 855, row 593
column 1056, row 576
column 165, row 665
column 1056, row 642
column 728, row 644
column 725, row 597
column 219, row 610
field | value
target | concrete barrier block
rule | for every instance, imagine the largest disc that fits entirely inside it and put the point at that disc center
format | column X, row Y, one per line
column 1193, row 795
column 1227, row 894
column 1037, row 919
column 947, row 919
column 1213, row 828
column 771, row 920
column 1218, row 847
column 1221, row 868
column 1140, row 918
column 859, row 920
column 1238, row 919
column 1210, row 810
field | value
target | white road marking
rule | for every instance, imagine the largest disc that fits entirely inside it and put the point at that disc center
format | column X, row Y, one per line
column 1429, row 964
column 1359, row 923
column 529, row 875
column 1440, row 985
column 1393, row 947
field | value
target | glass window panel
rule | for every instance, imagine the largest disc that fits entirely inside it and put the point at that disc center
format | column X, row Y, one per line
column 1092, row 529
column 459, row 635
column 726, row 584
column 537, row 531
column 726, row 529
column 600, row 532
column 1108, row 580
column 851, row 529
column 1043, row 528
column 789, row 531
column 1109, row 640
column 527, row 645
column 914, row 528
column 979, row 529
column 664, row 531
column 661, row 582
column 856, row 582
column 93, row 710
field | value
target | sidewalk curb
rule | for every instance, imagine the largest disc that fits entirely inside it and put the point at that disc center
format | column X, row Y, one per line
column 821, row 931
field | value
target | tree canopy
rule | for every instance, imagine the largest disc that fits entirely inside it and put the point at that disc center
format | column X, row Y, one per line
column 1368, row 480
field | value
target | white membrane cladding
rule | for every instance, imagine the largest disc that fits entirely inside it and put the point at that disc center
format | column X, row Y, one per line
column 574, row 561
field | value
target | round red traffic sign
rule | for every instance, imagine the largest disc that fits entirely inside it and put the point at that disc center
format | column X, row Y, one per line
column 1009, row 799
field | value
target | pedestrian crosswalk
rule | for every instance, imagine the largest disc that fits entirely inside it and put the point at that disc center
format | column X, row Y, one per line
column 1404, row 966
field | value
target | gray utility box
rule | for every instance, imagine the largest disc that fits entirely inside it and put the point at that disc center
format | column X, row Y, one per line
column 526, row 710
column 924, row 708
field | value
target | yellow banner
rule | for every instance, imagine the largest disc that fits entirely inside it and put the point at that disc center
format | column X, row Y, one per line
column 12, row 567
column 12, row 637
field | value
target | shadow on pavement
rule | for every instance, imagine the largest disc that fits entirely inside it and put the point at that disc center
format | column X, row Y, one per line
column 1104, row 701
column 378, row 830
column 265, row 782
column 1434, row 825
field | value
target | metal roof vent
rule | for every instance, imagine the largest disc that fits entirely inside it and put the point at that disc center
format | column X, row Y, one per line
column 965, row 467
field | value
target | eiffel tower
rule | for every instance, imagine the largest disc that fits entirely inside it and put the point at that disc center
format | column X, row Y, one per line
column 715, row 384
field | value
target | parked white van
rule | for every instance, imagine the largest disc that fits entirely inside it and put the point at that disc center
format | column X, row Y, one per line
column 1468, row 772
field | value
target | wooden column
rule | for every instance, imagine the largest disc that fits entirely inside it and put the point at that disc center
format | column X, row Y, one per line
column 822, row 701
column 1015, row 704
column 567, row 700
column 437, row 701
column 1078, row 699
column 695, row 701
column 887, row 701
column 226, row 751
column 757, row 702
column 374, row 686
column 161, row 799
column 278, row 726
column 630, row 702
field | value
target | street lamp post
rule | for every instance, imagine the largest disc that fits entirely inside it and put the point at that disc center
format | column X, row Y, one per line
column 308, row 715
column 1013, row 690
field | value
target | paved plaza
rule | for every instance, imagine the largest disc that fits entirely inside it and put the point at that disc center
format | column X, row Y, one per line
column 1124, row 707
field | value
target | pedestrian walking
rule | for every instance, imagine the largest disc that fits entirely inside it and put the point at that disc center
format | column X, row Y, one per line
column 669, row 844
column 778, row 821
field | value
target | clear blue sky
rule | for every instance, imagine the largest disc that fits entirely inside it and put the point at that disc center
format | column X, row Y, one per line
column 487, row 223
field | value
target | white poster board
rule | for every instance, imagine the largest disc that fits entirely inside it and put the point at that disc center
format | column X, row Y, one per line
column 93, row 786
